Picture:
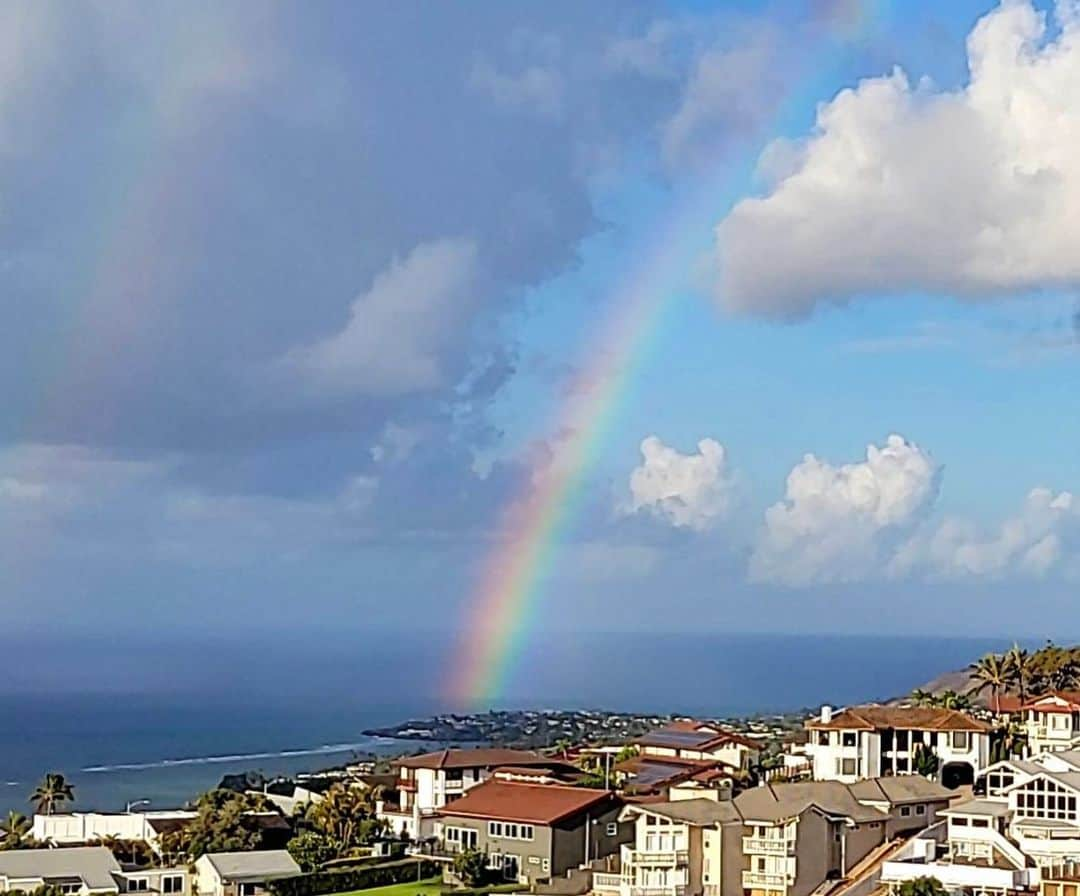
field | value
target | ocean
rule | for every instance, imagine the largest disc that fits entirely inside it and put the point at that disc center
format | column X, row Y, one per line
column 144, row 729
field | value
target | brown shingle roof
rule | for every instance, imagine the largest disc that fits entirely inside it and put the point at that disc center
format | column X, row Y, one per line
column 873, row 718
column 530, row 803
column 479, row 758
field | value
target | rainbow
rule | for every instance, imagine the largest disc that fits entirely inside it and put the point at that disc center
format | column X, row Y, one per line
column 512, row 578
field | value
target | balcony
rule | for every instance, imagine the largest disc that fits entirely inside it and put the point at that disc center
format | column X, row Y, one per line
column 765, row 880
column 624, row 886
column 454, row 786
column 768, row 846
column 655, row 858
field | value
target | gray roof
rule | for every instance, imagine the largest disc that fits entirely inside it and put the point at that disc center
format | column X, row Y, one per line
column 897, row 789
column 774, row 802
column 993, row 808
column 94, row 865
column 265, row 864
column 700, row 812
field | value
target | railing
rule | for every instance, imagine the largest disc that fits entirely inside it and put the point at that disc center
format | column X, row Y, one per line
column 658, row 857
column 609, row 883
column 769, row 879
column 772, row 846
column 624, row 886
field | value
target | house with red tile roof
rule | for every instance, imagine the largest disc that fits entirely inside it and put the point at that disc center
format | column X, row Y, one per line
column 1052, row 722
column 429, row 781
column 871, row 741
column 700, row 741
column 533, row 832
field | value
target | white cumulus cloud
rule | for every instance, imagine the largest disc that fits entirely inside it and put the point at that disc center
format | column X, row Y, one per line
column 907, row 187
column 1042, row 538
column 843, row 524
column 686, row 490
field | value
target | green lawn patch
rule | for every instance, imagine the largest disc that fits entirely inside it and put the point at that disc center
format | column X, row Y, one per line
column 433, row 886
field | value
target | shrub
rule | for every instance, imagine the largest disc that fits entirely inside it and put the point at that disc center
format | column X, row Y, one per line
column 344, row 879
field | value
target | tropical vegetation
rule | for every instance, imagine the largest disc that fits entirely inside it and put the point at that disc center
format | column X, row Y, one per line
column 16, row 829
column 54, row 792
column 923, row 886
column 224, row 823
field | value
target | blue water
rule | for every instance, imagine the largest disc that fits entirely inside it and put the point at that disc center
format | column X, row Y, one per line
column 141, row 727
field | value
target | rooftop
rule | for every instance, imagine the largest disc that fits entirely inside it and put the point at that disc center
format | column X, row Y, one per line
column 992, row 808
column 530, row 803
column 699, row 812
column 257, row 865
column 478, row 758
column 916, row 718
column 94, row 865
column 775, row 802
column 691, row 735
column 899, row 789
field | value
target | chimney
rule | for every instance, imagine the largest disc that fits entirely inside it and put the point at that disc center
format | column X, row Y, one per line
column 826, row 714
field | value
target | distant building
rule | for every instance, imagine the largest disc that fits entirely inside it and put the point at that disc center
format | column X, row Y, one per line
column 426, row 783
column 688, row 739
column 871, row 741
column 84, row 870
column 533, row 832
column 242, row 873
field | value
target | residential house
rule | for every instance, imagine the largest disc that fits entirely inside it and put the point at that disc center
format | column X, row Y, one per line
column 646, row 774
column 242, row 873
column 71, row 828
column 426, row 783
column 1061, row 880
column 681, row 848
column 85, row 870
column 1026, row 826
column 775, row 840
column 700, row 741
column 532, row 832
column 872, row 741
column 1052, row 722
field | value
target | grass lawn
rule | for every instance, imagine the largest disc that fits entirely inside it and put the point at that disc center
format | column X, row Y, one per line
column 432, row 886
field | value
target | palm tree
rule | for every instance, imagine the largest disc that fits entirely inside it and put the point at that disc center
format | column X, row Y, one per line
column 15, row 829
column 921, row 698
column 951, row 700
column 52, row 793
column 1019, row 670
column 991, row 672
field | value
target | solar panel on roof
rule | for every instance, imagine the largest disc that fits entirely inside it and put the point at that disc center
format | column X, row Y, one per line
column 679, row 738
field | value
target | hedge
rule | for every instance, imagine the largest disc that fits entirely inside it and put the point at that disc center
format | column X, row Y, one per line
column 484, row 891
column 342, row 880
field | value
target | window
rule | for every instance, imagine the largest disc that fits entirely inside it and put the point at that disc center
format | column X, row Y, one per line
column 961, row 741
column 920, row 809
column 510, row 831
column 958, row 822
column 848, row 766
column 850, row 739
column 905, row 811
column 138, row 885
column 823, row 738
column 901, row 740
column 612, row 830
column 68, row 889
column 902, row 765
column 172, row 883
column 980, row 822
column 248, row 889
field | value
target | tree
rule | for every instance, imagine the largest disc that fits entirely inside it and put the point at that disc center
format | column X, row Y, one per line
column 1020, row 669
column 991, row 672
column 224, row 823
column 951, row 700
column 923, row 886
column 470, row 866
column 922, row 698
column 312, row 849
column 16, row 828
column 345, row 816
column 925, row 762
column 52, row 793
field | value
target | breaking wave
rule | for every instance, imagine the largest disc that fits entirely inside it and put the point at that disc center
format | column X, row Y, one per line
column 231, row 757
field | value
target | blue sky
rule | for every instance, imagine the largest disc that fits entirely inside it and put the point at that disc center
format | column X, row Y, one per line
column 294, row 297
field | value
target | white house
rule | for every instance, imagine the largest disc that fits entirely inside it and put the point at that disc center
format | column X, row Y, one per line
column 71, row 828
column 241, row 873
column 429, row 781
column 1052, row 722
column 871, row 741
column 85, row 870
